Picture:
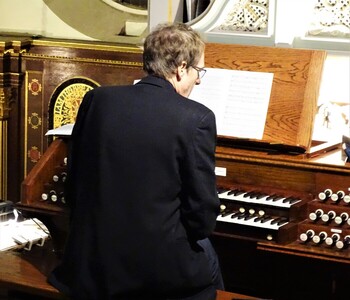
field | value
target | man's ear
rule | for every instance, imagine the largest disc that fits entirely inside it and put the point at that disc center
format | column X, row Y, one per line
column 181, row 70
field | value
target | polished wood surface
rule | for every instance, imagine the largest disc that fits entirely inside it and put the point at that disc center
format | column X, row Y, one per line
column 251, row 265
column 269, row 268
column 23, row 274
column 26, row 272
column 293, row 100
column 41, row 174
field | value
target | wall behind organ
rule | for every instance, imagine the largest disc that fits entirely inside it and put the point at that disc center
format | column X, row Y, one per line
column 70, row 19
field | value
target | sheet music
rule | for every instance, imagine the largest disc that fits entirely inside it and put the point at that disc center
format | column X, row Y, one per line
column 239, row 99
column 65, row 130
column 23, row 234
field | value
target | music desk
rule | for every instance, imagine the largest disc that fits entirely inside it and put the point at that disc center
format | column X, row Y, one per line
column 23, row 274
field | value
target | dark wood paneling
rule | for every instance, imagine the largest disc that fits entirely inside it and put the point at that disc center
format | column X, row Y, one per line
column 50, row 63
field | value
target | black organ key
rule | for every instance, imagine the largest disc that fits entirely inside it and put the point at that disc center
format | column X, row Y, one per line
column 236, row 214
column 227, row 212
column 261, row 195
column 242, row 215
column 222, row 190
column 294, row 200
column 275, row 221
column 233, row 192
column 251, row 194
column 270, row 197
column 254, row 195
column 247, row 194
column 258, row 219
column 282, row 221
column 274, row 197
column 249, row 217
column 290, row 199
column 277, row 198
column 260, row 216
column 279, row 221
column 238, row 192
column 265, row 219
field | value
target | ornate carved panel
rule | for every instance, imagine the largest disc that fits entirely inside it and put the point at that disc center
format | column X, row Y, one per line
column 45, row 80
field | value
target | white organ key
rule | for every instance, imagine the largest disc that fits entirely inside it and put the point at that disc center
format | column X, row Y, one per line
column 258, row 198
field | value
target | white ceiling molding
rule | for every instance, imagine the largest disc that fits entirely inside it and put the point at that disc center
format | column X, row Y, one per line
column 126, row 9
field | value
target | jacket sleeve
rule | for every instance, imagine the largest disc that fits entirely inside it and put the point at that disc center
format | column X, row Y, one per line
column 199, row 200
column 73, row 149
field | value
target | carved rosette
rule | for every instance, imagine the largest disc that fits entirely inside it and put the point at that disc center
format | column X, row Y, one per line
column 34, row 120
column 35, row 87
column 34, row 154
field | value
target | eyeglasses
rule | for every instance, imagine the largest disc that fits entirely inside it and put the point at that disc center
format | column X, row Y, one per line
column 201, row 71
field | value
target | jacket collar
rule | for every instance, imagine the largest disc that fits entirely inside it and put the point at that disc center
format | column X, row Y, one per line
column 157, row 81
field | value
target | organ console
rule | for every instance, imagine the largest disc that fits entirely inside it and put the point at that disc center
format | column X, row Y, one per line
column 276, row 193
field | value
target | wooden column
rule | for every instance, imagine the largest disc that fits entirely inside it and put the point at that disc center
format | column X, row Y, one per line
column 4, row 114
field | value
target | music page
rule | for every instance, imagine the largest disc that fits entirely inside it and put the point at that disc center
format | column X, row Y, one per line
column 64, row 130
column 239, row 100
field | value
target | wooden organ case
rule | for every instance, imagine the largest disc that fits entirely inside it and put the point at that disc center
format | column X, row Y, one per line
column 270, row 238
column 271, row 186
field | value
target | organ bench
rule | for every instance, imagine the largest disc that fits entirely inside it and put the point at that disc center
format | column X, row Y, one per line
column 23, row 276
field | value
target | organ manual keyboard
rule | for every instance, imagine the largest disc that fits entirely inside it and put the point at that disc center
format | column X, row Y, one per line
column 260, row 215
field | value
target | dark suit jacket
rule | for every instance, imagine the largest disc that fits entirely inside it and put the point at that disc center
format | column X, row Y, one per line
column 142, row 188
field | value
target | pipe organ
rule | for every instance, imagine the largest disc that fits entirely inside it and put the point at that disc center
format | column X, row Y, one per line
column 284, row 199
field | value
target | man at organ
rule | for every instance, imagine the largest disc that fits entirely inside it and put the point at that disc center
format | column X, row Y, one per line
column 141, row 183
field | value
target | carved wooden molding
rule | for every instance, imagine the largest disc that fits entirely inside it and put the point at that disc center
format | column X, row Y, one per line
column 5, row 95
